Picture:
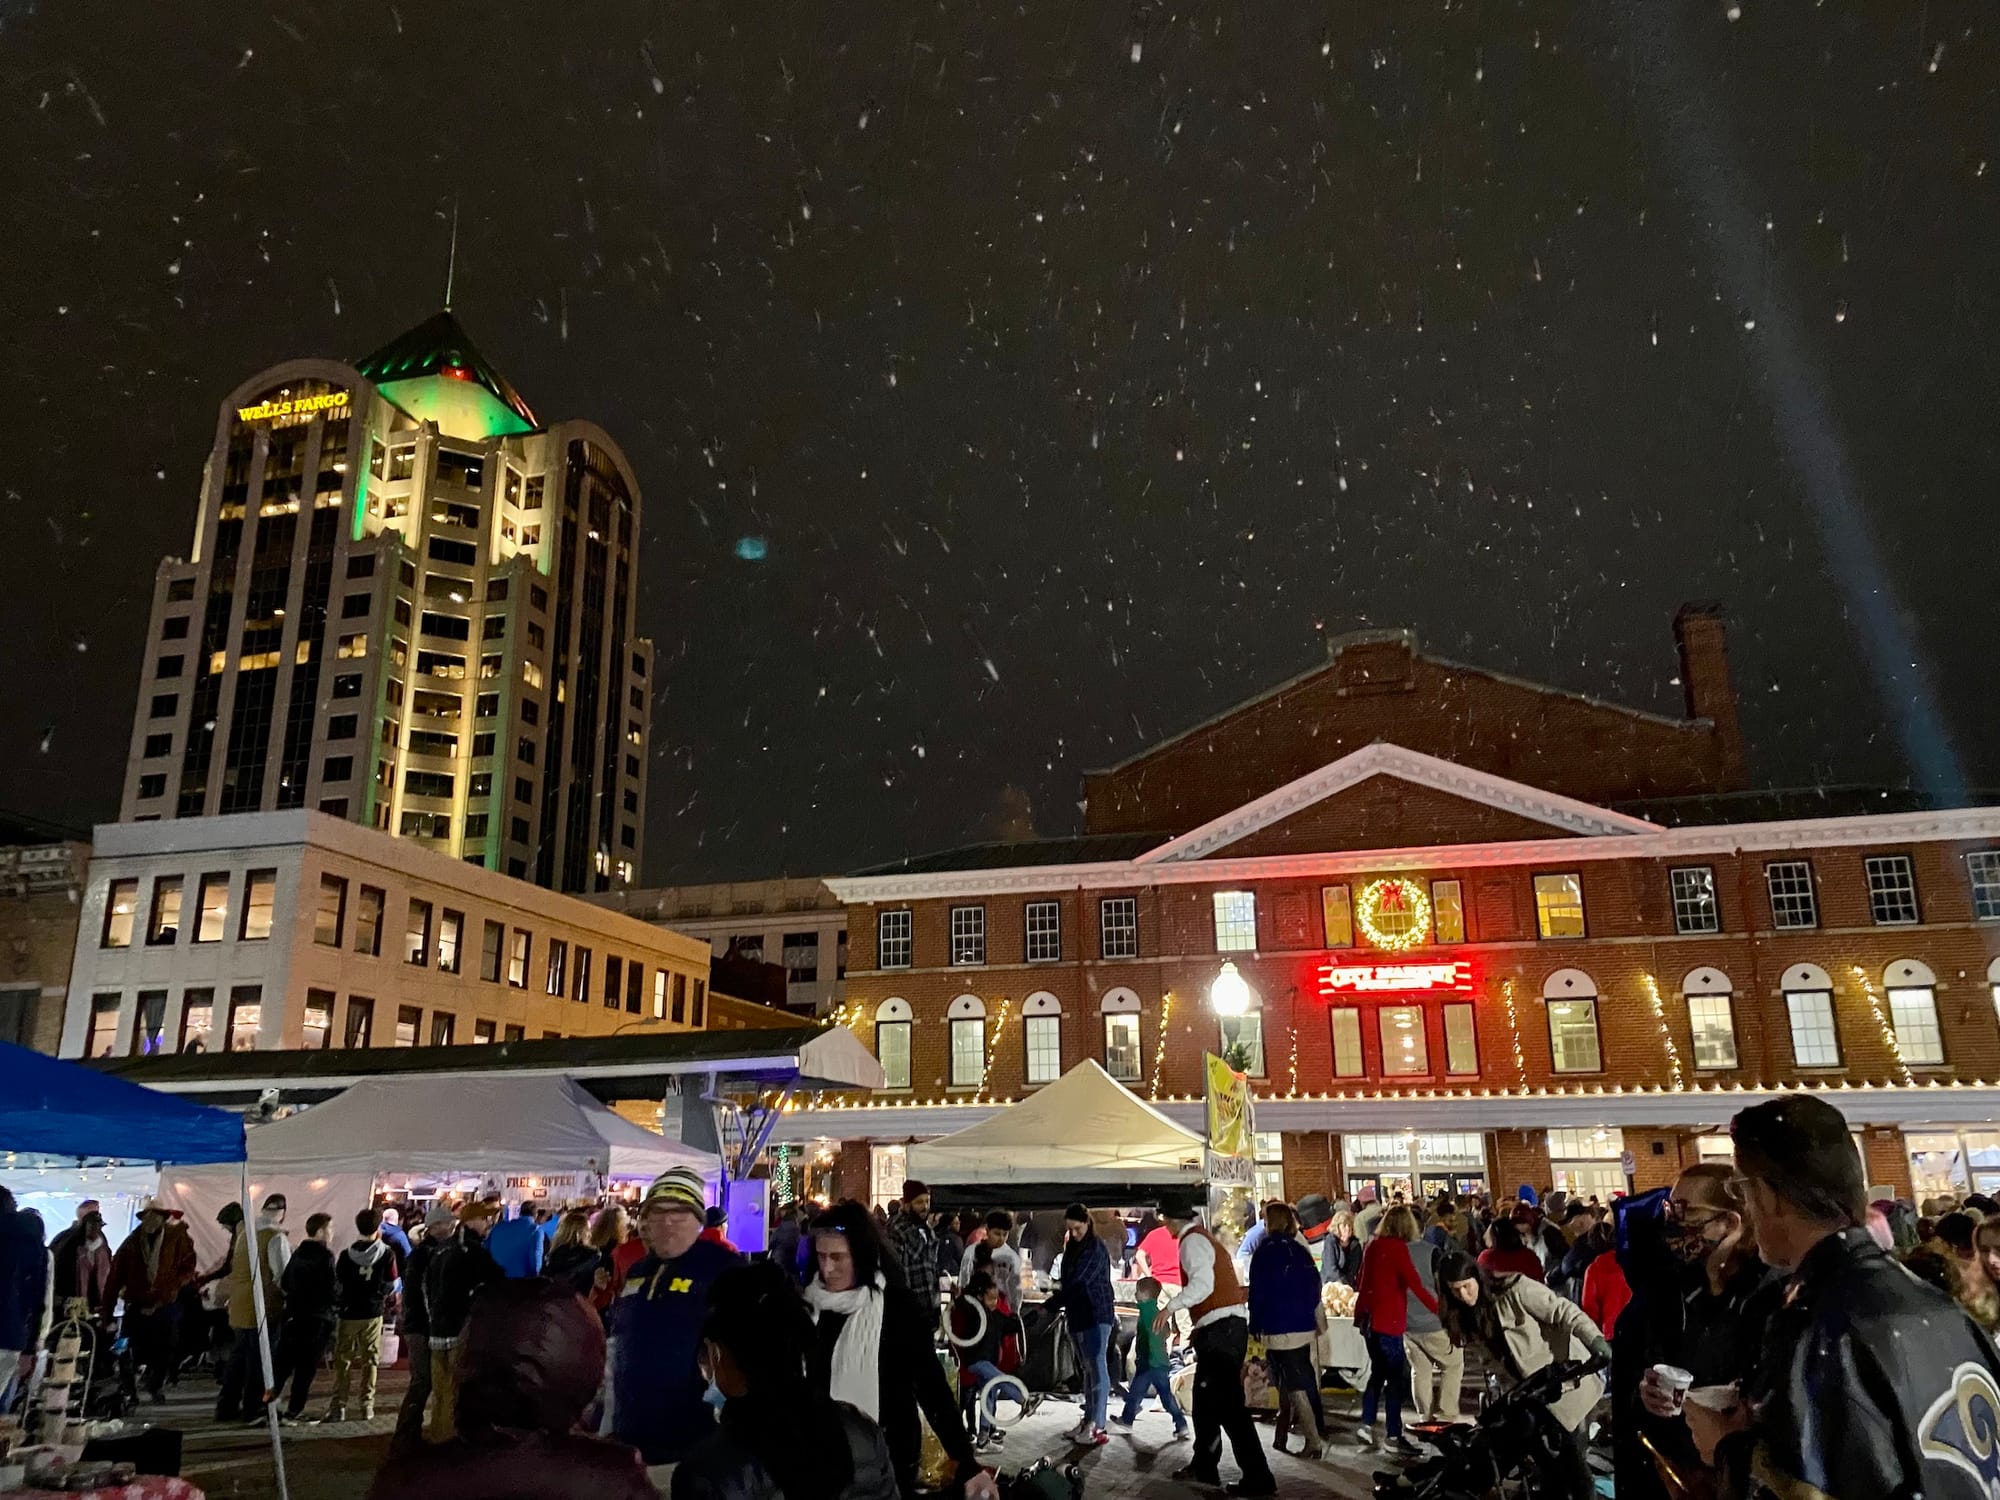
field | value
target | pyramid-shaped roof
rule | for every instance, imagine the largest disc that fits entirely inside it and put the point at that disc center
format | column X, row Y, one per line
column 408, row 369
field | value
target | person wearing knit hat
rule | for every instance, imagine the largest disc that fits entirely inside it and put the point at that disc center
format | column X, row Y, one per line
column 452, row 1278
column 440, row 1230
column 657, row 1389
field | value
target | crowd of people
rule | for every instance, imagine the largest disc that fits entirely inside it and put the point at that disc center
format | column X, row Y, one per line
column 1770, row 1327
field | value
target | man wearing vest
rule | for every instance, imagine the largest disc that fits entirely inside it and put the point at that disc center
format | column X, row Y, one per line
column 1213, row 1297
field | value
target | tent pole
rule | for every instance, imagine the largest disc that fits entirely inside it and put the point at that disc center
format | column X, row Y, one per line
column 256, row 1256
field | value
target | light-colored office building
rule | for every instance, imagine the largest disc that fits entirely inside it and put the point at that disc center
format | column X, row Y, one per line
column 412, row 605
column 42, row 871
column 797, row 923
column 296, row 929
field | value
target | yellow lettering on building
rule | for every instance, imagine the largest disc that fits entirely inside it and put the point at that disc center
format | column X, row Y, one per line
column 298, row 409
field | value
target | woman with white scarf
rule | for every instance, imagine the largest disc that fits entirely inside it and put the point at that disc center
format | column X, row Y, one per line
column 876, row 1351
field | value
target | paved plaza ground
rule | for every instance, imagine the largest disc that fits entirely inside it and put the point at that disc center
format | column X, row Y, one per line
column 336, row 1461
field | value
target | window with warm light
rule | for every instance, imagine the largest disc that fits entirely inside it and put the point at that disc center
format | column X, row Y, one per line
column 246, row 1017
column 164, row 924
column 212, row 909
column 444, row 1028
column 260, row 899
column 1235, row 921
column 518, row 947
column 1403, row 1052
column 1448, row 911
column 1336, row 908
column 1573, row 1039
column 316, row 1020
column 197, row 1019
column 492, row 937
column 557, row 981
column 102, row 1040
column 1348, row 1061
column 1559, row 905
column 417, row 934
column 121, row 907
column 409, row 1024
column 892, row 1042
column 451, row 941
column 368, row 909
column 149, row 1023
column 1461, row 1040
column 330, row 912
column 360, row 1021
column 1712, row 1023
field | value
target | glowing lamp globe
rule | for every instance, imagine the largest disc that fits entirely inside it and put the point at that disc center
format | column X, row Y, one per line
column 1229, row 992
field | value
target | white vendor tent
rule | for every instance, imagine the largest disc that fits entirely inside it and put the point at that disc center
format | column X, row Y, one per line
column 329, row 1158
column 1084, row 1138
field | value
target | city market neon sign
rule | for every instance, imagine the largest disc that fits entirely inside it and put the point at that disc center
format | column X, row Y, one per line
column 299, row 410
column 1395, row 979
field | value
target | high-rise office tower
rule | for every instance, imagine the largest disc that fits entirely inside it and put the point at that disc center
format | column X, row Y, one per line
column 411, row 604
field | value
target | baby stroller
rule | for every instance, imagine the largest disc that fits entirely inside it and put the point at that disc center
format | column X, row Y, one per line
column 1511, row 1451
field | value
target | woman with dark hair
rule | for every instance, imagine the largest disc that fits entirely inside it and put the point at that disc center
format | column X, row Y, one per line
column 529, row 1362
column 873, row 1348
column 1285, row 1313
column 1522, row 1326
column 1507, row 1253
column 757, row 1349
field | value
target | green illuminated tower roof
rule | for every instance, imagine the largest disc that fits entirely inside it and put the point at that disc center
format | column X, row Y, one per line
column 434, row 373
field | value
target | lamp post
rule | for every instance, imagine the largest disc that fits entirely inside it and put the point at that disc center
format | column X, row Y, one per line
column 1229, row 992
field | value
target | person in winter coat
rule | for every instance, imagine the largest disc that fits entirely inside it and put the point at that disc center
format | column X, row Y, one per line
column 873, row 1349
column 1507, row 1254
column 757, row 1344
column 571, row 1260
column 1340, row 1253
column 366, row 1271
column 24, row 1282
column 1285, row 1313
column 786, row 1232
column 310, row 1297
column 656, row 1386
column 981, row 1324
column 1091, row 1312
column 1437, row 1366
column 516, row 1244
column 80, row 1266
column 915, row 1245
column 1003, row 1261
column 460, row 1268
column 1910, row 1377
column 394, row 1238
column 1605, row 1291
column 1523, row 1327
column 241, row 1396
column 1381, row 1314
column 530, row 1359
column 149, row 1270
column 440, row 1225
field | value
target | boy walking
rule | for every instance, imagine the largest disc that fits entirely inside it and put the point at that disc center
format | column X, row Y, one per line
column 1151, row 1370
column 365, row 1272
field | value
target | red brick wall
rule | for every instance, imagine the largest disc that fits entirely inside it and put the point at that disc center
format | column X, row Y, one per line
column 1381, row 690
column 1885, row 1159
column 1386, row 813
column 1310, row 1165
column 1520, row 1156
column 1652, row 1170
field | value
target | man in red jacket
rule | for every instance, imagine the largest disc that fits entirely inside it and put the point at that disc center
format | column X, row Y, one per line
column 156, row 1261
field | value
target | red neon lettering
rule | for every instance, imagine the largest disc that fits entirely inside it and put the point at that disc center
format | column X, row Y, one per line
column 1374, row 979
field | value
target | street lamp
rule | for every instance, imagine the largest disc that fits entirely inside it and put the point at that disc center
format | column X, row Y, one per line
column 1229, row 992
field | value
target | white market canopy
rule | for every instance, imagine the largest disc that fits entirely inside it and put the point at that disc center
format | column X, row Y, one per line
column 1084, row 1138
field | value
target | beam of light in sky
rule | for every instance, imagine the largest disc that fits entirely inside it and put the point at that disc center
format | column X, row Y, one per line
column 1701, row 157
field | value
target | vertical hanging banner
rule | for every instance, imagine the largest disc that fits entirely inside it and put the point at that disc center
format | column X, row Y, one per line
column 1231, row 1125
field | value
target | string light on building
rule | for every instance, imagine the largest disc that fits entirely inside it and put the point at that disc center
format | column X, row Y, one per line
column 781, row 1173
column 1160, row 1046
column 1666, row 1033
column 1882, row 1023
column 1514, row 1032
column 1393, row 914
column 1293, row 1092
column 993, row 1046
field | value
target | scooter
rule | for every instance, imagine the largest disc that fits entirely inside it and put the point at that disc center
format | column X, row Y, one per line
column 1512, row 1452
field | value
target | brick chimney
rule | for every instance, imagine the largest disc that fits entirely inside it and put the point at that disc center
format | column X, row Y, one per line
column 1703, row 640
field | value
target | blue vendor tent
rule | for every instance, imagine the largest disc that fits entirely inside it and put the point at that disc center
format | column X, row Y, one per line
column 53, row 1108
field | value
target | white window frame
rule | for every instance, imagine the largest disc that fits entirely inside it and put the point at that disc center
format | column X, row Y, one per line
column 1118, row 927
column 893, row 1026
column 1350, row 1059
column 1041, row 1038
column 1982, row 869
column 966, row 1039
column 1892, row 890
column 1815, row 1033
column 1043, row 921
column 1547, row 911
column 894, row 938
column 1911, row 988
column 1712, row 1032
column 1447, row 898
column 1697, row 908
column 1558, row 1053
column 1235, row 921
column 1248, row 1028
column 1119, row 1010
column 968, row 936
column 1794, row 895
column 1457, row 1063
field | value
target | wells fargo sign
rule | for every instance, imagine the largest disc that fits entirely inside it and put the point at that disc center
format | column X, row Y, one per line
column 298, row 409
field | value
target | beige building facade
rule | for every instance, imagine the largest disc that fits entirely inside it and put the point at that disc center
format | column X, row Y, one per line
column 297, row 929
column 798, row 923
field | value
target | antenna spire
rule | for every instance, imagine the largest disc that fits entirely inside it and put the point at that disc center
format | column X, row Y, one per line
column 451, row 263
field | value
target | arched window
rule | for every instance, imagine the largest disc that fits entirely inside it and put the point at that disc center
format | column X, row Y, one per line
column 1809, row 1007
column 1122, row 1060
column 1912, row 991
column 892, row 1042
column 967, row 1016
column 1041, row 1036
column 1711, row 1018
column 1571, row 998
column 1246, row 1032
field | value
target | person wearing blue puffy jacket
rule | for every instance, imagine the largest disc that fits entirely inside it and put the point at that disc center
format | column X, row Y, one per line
column 1285, row 1314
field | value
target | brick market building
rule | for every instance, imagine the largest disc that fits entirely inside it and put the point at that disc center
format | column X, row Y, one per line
column 1455, row 976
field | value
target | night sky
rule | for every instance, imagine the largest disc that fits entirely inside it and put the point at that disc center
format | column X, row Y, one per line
column 1075, row 369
